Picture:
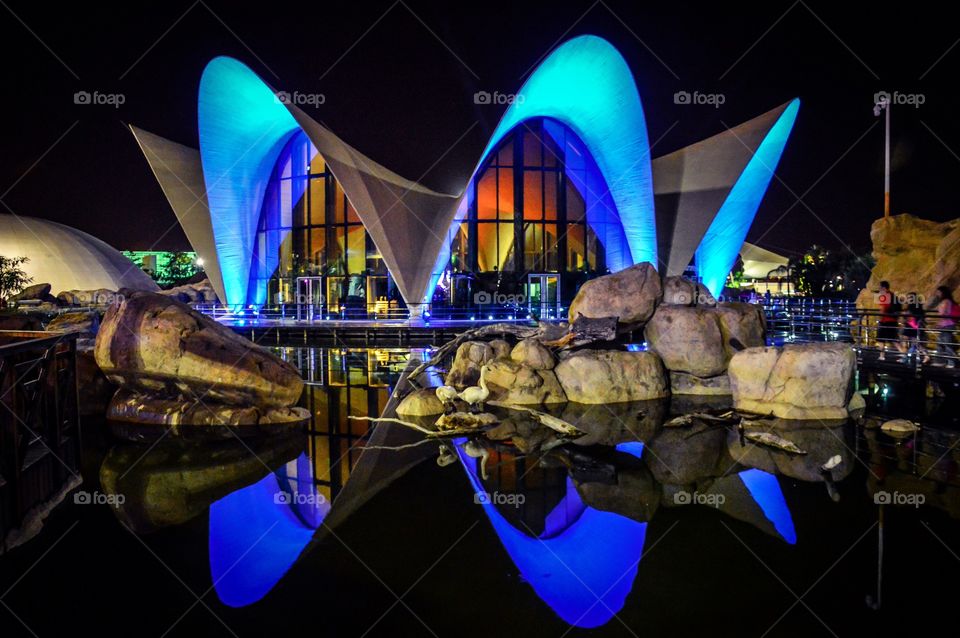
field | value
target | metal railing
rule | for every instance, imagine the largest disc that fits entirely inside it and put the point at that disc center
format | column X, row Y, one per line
column 39, row 423
column 931, row 342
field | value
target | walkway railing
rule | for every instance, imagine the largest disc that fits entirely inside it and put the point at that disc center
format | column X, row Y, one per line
column 933, row 344
column 39, row 425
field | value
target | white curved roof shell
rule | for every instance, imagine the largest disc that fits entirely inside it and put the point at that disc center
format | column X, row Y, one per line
column 67, row 258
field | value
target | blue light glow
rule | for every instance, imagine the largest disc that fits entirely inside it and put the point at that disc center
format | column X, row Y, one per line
column 243, row 128
column 584, row 572
column 587, row 85
column 721, row 244
column 765, row 490
column 254, row 540
column 634, row 448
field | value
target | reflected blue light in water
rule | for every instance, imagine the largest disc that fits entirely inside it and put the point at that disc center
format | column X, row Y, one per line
column 253, row 541
column 765, row 490
column 632, row 447
column 568, row 510
column 585, row 572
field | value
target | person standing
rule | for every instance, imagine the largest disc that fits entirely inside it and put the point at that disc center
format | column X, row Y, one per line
column 889, row 319
column 946, row 325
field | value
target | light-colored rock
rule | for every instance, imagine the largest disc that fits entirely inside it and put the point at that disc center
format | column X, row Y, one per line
column 797, row 381
column 678, row 291
column 86, row 323
column 683, row 383
column 744, row 322
column 470, row 357
column 517, row 383
column 534, row 354
column 914, row 255
column 422, row 402
column 98, row 297
column 697, row 340
column 899, row 428
column 36, row 292
column 857, row 404
column 611, row 376
column 704, row 298
column 688, row 339
column 145, row 409
column 631, row 294
column 501, row 348
column 159, row 346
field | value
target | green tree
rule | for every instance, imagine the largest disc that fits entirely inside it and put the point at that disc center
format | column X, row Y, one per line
column 12, row 277
column 824, row 273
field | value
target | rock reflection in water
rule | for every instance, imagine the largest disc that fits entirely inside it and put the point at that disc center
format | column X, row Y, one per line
column 174, row 481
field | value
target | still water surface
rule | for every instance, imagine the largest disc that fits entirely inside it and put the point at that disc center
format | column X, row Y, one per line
column 673, row 531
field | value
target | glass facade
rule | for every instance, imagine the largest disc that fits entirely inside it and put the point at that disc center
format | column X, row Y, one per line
column 309, row 229
column 539, row 205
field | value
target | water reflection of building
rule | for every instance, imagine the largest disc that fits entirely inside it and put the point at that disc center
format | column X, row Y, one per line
column 342, row 383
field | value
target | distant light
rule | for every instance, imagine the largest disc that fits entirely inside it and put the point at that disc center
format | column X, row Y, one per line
column 199, row 261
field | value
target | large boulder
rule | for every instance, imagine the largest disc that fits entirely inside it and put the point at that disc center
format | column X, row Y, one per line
column 914, row 255
column 422, row 402
column 699, row 340
column 156, row 345
column 631, row 295
column 470, row 357
column 534, row 354
column 36, row 292
column 97, row 297
column 612, row 376
column 87, row 324
column 688, row 339
column 679, row 291
column 796, row 381
column 514, row 382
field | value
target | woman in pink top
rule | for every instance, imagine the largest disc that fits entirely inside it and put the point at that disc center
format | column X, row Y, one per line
column 946, row 325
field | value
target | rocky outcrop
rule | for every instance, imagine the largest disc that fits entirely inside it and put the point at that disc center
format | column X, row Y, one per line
column 611, row 376
column 914, row 255
column 200, row 292
column 631, row 295
column 155, row 344
column 421, row 402
column 87, row 324
column 517, row 383
column 801, row 381
column 181, row 367
column 634, row 495
column 688, row 339
column 470, row 357
column 36, row 292
column 533, row 354
column 683, row 383
column 697, row 342
column 98, row 297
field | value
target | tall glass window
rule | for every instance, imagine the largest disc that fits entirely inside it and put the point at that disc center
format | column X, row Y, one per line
column 309, row 228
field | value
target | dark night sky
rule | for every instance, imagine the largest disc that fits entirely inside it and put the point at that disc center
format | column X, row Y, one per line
column 399, row 81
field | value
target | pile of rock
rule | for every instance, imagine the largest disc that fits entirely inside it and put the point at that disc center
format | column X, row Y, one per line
column 178, row 367
column 693, row 342
column 200, row 292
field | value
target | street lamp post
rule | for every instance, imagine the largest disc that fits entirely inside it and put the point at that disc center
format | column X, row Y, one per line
column 883, row 104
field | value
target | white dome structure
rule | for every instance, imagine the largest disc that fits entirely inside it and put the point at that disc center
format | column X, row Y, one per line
column 67, row 258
